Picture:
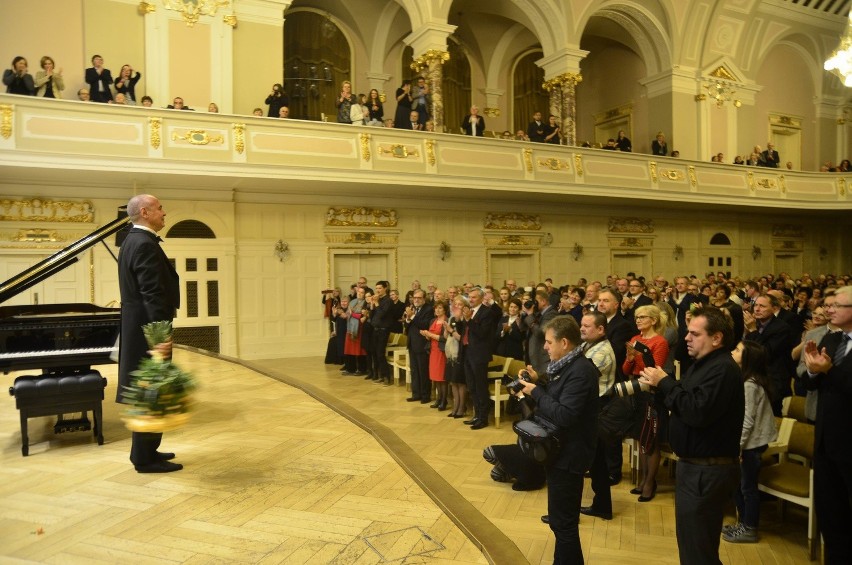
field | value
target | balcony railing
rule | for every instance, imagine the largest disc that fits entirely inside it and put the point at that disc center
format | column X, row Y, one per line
column 38, row 134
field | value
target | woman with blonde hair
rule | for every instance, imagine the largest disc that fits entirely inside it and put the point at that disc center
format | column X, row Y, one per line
column 454, row 350
column 48, row 81
column 651, row 326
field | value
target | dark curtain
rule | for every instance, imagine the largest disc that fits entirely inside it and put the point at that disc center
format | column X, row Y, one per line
column 456, row 86
column 316, row 62
column 529, row 96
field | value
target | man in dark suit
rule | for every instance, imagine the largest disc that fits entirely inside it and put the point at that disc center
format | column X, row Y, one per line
column 634, row 298
column 536, row 129
column 769, row 157
column 150, row 292
column 99, row 80
column 681, row 300
column 382, row 320
column 830, row 372
column 478, row 348
column 618, row 332
column 779, row 339
column 534, row 322
column 418, row 317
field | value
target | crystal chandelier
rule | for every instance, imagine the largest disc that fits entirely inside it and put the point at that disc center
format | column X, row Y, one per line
column 191, row 10
column 839, row 63
column 721, row 93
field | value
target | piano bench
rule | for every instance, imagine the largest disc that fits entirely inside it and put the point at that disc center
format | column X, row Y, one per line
column 55, row 395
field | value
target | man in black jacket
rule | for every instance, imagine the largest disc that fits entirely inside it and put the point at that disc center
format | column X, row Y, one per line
column 569, row 401
column 150, row 292
column 418, row 316
column 382, row 319
column 707, row 408
column 779, row 340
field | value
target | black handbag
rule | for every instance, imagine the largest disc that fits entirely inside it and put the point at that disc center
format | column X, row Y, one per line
column 537, row 439
column 616, row 418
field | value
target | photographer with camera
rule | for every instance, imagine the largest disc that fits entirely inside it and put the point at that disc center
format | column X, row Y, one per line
column 648, row 349
column 707, row 407
column 538, row 312
column 276, row 99
column 568, row 402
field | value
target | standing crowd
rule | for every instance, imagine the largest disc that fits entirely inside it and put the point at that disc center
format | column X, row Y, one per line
column 709, row 361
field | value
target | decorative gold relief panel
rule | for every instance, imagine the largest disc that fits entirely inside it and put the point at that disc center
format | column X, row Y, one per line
column 198, row 137
column 38, row 210
column 6, row 120
column 512, row 221
column 788, row 230
column 631, row 225
column 553, row 164
column 398, row 150
column 374, row 217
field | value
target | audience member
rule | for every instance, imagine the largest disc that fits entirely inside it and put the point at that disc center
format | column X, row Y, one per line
column 212, row 108
column 275, row 100
column 125, row 83
column 119, row 99
column 284, row 112
column 473, row 124
column 421, row 100
column 675, row 153
column 99, row 80
column 17, row 79
column 257, row 112
column 553, row 132
column 375, row 109
column 536, row 129
column 344, row 103
column 419, row 317
column 623, row 142
column 402, row 118
column 437, row 359
column 83, row 95
column 48, row 81
column 769, row 157
column 659, row 145
column 764, row 327
column 520, row 135
column 177, row 104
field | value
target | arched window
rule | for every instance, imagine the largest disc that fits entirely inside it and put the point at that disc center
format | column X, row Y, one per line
column 528, row 95
column 720, row 239
column 317, row 60
column 191, row 229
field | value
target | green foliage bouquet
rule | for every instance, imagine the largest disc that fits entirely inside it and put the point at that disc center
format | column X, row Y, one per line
column 160, row 393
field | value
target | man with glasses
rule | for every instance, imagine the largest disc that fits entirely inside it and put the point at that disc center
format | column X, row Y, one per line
column 830, row 372
column 419, row 316
column 634, row 298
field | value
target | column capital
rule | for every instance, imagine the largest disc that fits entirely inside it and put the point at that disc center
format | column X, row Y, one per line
column 267, row 12
column 565, row 60
column 430, row 56
column 429, row 37
column 565, row 79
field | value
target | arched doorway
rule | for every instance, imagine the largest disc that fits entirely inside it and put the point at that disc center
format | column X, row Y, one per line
column 528, row 96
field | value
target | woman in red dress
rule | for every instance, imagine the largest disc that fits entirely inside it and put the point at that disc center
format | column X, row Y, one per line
column 437, row 359
column 651, row 326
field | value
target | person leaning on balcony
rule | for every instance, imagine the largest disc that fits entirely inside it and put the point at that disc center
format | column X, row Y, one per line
column 769, row 158
column 147, row 101
column 344, row 103
column 623, row 142
column 48, row 81
column 177, row 104
column 553, row 132
column 659, row 145
column 17, row 79
column 83, row 95
column 125, row 83
column 536, row 129
column 473, row 124
column 283, row 112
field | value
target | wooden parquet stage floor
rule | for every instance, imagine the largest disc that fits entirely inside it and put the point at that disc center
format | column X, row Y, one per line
column 331, row 470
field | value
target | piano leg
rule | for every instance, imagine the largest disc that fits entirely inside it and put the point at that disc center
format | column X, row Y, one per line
column 25, row 439
column 97, row 416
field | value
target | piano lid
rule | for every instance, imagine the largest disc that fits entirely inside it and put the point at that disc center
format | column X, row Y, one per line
column 59, row 260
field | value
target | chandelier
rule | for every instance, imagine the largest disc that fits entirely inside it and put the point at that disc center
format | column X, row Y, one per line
column 721, row 93
column 839, row 63
column 191, row 10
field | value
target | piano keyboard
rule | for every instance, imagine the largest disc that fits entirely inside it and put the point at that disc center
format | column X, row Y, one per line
column 57, row 352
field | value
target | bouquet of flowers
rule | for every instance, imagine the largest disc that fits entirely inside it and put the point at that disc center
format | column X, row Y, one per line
column 159, row 395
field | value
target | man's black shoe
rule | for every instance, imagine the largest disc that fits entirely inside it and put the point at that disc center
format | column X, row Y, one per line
column 412, row 399
column 546, row 518
column 589, row 511
column 159, row 467
column 614, row 480
column 479, row 425
column 470, row 422
column 164, row 455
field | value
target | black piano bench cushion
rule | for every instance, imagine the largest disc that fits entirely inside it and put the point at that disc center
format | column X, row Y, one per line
column 30, row 390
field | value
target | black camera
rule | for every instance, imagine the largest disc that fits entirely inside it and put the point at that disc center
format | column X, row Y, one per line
column 516, row 385
column 529, row 304
column 629, row 388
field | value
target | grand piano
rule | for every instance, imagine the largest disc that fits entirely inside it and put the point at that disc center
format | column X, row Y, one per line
column 62, row 341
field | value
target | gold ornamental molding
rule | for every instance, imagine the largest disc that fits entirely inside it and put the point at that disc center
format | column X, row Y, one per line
column 553, row 164
column 766, row 183
column 198, row 137
column 491, row 112
column 578, row 164
column 399, row 151
column 631, row 225
column 373, row 217
column 787, row 121
column 693, row 180
column 672, row 174
column 239, row 138
column 528, row 160
column 230, row 19
column 652, row 168
column 154, row 129
column 38, row 210
column 146, row 8
column 423, row 60
column 563, row 79
column 788, row 230
column 430, row 151
column 782, row 184
column 365, row 146
column 6, row 120
column 362, row 238
column 37, row 235
column 841, row 186
column 192, row 10
column 513, row 240
column 751, row 182
column 631, row 242
column 511, row 221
